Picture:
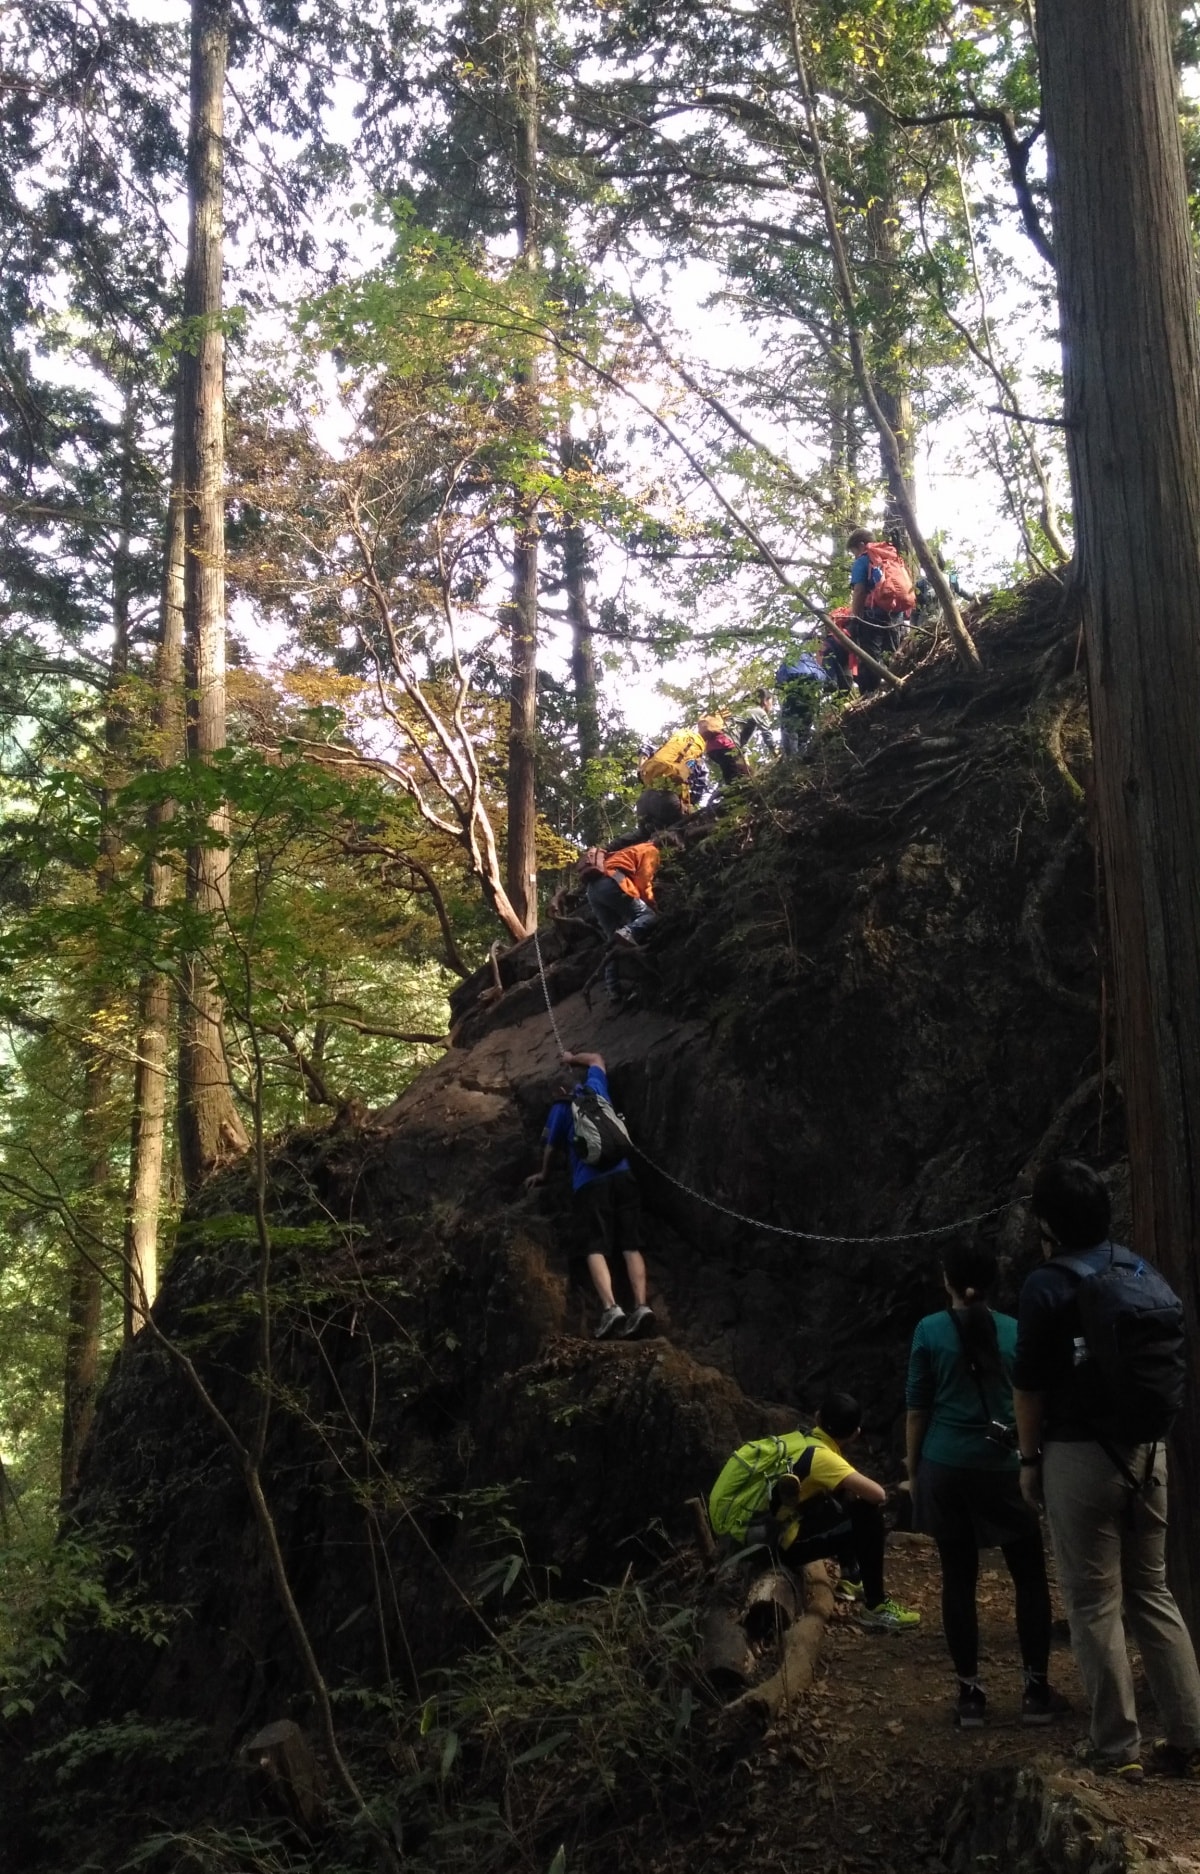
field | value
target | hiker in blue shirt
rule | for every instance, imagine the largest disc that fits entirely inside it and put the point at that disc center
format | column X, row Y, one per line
column 962, row 1470
column 606, row 1203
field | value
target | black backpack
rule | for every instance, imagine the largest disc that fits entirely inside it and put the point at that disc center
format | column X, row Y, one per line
column 1129, row 1352
column 600, row 1136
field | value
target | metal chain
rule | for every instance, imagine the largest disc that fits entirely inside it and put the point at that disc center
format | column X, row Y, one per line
column 756, row 1223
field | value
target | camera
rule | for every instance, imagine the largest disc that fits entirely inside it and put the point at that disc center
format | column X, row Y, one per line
column 998, row 1433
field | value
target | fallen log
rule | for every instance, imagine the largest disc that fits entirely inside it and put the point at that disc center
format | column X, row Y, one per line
column 726, row 1659
column 772, row 1605
column 801, row 1646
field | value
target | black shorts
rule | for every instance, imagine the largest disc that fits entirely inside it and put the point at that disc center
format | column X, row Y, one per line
column 608, row 1212
column 953, row 1504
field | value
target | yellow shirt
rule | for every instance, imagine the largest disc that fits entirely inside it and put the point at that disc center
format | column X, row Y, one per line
column 827, row 1471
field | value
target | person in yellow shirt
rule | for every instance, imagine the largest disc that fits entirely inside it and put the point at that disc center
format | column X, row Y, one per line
column 823, row 1507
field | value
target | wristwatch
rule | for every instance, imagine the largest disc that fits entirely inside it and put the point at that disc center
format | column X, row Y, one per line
column 1028, row 1464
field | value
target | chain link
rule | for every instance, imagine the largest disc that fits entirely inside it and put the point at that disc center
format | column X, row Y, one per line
column 756, row 1223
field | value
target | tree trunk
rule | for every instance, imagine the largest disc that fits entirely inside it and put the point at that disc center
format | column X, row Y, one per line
column 150, row 1076
column 1131, row 346
column 889, row 319
column 85, row 1291
column 521, row 866
column 209, row 1127
column 576, row 561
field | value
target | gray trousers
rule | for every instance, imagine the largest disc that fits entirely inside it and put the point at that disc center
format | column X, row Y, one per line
column 1109, row 1544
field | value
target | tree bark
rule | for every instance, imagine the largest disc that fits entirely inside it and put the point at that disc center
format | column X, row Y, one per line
column 576, row 560
column 85, row 1289
column 209, row 1127
column 1131, row 347
column 150, row 1074
column 521, row 857
column 889, row 320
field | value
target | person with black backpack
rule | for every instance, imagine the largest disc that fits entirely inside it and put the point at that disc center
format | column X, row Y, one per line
column 961, row 1461
column 1098, row 1378
column 583, row 1123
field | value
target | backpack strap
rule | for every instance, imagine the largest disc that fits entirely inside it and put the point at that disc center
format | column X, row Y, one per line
column 973, row 1364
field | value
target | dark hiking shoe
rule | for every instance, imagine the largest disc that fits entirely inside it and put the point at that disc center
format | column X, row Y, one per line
column 970, row 1713
column 1041, row 1704
column 640, row 1324
column 612, row 1323
column 1173, row 1760
column 1124, row 1769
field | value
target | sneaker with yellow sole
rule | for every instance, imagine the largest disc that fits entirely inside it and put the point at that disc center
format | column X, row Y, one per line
column 889, row 1617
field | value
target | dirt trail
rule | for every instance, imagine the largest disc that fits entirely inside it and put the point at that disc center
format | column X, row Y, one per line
column 866, row 1779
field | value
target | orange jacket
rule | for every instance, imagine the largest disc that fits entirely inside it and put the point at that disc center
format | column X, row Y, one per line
column 634, row 867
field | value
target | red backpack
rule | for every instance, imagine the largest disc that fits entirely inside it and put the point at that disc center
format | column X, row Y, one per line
column 889, row 588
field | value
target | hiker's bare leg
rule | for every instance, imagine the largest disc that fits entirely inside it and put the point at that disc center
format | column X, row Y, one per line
column 635, row 1269
column 597, row 1264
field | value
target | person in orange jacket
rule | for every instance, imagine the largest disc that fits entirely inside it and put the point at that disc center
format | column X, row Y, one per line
column 619, row 886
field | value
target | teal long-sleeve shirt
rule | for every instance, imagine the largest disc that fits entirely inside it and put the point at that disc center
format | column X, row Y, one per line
column 940, row 1383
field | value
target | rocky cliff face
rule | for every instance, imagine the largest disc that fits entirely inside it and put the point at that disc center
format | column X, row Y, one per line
column 871, row 1002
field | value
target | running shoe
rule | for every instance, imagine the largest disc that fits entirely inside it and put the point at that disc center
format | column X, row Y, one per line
column 611, row 1323
column 889, row 1617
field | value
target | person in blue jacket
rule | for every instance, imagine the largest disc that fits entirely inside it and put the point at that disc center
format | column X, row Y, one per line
column 964, row 1477
column 606, row 1203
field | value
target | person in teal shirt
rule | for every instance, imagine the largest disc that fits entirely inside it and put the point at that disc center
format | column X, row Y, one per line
column 963, row 1474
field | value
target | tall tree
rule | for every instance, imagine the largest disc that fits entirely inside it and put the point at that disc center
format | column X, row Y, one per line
column 210, row 1129
column 1131, row 345
column 521, row 855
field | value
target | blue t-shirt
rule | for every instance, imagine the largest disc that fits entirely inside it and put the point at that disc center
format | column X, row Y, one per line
column 560, row 1131
column 860, row 572
column 940, row 1383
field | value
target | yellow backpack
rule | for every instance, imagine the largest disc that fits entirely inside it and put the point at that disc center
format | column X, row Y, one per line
column 669, row 763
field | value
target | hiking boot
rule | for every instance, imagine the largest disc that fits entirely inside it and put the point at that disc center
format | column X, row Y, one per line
column 611, row 1323
column 1173, row 1760
column 1041, row 1704
column 1124, row 1769
column 889, row 1617
column 970, row 1713
column 640, row 1324
column 624, row 935
column 848, row 1589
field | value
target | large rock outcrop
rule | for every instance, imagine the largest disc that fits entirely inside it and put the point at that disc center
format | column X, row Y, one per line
column 871, row 1002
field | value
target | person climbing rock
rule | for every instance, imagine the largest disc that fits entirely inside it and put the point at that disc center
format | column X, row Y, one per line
column 962, row 1470
column 1097, row 1378
column 619, row 887
column 677, row 768
column 721, row 749
column 757, row 721
column 801, row 681
column 882, row 600
column 605, row 1195
column 657, row 811
column 800, row 1497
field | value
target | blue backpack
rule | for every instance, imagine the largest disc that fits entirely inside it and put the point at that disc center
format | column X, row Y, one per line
column 1129, row 1352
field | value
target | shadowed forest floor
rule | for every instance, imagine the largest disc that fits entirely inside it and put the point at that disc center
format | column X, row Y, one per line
column 867, row 1776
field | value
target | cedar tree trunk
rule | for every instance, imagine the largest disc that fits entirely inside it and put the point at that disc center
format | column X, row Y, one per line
column 1131, row 347
column 209, row 1127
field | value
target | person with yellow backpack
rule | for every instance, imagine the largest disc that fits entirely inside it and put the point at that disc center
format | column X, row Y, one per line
column 798, row 1495
column 676, row 768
